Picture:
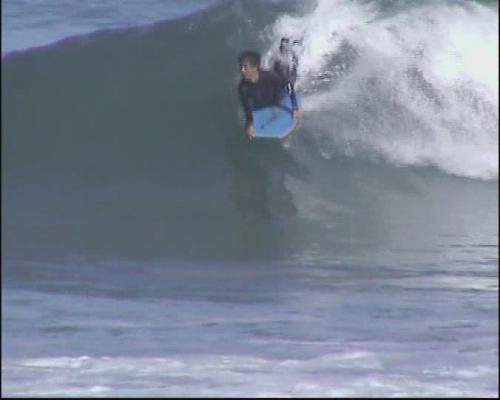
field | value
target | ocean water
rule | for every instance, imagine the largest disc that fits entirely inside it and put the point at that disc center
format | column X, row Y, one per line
column 149, row 250
column 34, row 23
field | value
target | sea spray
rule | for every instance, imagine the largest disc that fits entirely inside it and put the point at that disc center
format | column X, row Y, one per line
column 416, row 87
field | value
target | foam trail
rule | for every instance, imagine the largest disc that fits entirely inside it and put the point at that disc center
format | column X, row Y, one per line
column 226, row 376
column 416, row 87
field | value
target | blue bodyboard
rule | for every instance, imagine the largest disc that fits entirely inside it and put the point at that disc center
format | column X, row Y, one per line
column 275, row 121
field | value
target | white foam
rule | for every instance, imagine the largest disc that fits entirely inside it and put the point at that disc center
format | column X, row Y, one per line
column 320, row 30
column 229, row 375
column 421, row 88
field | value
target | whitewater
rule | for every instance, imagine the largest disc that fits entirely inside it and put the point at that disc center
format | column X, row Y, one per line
column 148, row 249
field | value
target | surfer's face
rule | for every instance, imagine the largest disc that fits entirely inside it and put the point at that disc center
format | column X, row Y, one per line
column 249, row 71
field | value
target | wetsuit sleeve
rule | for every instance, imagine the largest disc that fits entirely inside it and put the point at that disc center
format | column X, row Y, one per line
column 291, row 92
column 279, row 83
column 245, row 103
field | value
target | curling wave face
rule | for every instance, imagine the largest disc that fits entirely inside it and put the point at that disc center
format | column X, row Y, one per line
column 130, row 142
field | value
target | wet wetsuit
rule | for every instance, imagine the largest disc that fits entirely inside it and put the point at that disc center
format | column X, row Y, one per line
column 286, row 64
column 267, row 91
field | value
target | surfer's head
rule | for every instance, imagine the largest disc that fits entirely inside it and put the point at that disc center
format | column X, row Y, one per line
column 283, row 44
column 250, row 65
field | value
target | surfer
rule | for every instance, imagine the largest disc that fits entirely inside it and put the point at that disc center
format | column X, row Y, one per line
column 261, row 88
column 286, row 62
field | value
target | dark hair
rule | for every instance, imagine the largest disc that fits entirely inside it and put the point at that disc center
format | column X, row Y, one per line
column 251, row 56
column 284, row 41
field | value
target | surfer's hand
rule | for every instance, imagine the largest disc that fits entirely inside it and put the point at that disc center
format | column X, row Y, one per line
column 296, row 114
column 250, row 132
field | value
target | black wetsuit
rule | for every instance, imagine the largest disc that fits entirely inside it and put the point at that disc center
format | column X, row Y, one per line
column 267, row 91
column 286, row 66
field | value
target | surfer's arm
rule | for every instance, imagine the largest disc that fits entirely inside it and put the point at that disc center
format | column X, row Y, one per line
column 246, row 104
column 291, row 93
